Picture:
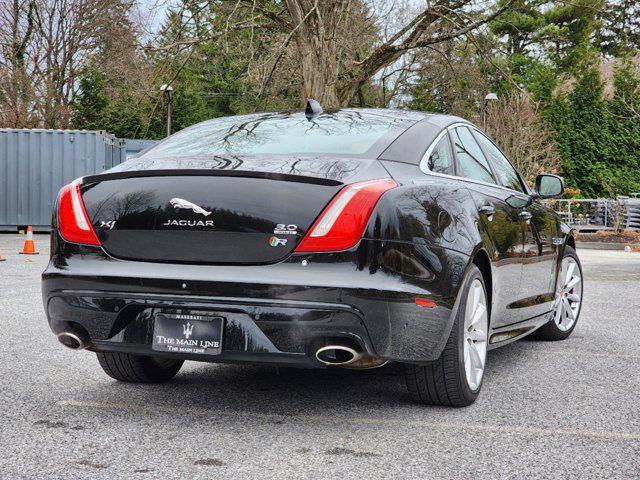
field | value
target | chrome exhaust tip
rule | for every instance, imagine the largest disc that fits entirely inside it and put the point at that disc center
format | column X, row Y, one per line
column 72, row 341
column 337, row 355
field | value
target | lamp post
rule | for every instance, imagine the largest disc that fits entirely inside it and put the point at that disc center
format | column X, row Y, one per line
column 168, row 92
column 487, row 98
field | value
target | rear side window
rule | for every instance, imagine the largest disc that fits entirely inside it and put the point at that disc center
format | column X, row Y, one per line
column 503, row 168
column 440, row 159
column 471, row 160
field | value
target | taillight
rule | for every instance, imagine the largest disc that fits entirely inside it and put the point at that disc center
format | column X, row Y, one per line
column 73, row 221
column 342, row 222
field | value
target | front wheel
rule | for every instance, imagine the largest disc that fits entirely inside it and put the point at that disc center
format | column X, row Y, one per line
column 126, row 367
column 568, row 299
column 456, row 377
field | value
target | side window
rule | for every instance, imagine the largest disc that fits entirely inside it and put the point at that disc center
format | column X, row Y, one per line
column 441, row 159
column 503, row 168
column 471, row 160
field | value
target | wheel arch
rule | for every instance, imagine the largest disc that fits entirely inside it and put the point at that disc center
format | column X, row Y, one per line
column 569, row 241
column 481, row 260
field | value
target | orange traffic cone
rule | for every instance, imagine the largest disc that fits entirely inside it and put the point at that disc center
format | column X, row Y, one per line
column 29, row 247
column 2, row 259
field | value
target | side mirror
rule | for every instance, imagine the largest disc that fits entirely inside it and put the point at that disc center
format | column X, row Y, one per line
column 549, row 186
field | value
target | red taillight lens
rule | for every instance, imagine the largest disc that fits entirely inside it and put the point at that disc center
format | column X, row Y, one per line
column 342, row 222
column 73, row 221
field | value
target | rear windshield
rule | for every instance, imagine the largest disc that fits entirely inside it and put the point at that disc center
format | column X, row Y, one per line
column 344, row 132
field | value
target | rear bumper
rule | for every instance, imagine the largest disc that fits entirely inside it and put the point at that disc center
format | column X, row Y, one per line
column 273, row 313
column 255, row 330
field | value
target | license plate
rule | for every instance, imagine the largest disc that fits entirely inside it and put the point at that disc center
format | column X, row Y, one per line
column 192, row 334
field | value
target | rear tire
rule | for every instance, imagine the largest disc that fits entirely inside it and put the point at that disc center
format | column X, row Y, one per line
column 453, row 380
column 568, row 301
column 139, row 368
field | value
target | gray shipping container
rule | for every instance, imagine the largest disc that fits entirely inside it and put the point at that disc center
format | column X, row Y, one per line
column 133, row 146
column 35, row 164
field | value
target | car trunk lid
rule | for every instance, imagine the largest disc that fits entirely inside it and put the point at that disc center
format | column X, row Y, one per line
column 222, row 215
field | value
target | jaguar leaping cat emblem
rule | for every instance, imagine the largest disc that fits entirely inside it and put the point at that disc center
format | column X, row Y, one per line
column 184, row 204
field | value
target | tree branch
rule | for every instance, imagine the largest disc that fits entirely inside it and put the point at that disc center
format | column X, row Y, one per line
column 282, row 50
column 389, row 52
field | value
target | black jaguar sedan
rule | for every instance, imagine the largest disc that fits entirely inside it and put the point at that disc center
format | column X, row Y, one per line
column 348, row 238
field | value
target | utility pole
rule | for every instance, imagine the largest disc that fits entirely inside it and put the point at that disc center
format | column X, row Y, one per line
column 487, row 98
column 168, row 93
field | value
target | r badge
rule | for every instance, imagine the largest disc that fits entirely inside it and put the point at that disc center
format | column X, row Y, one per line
column 275, row 241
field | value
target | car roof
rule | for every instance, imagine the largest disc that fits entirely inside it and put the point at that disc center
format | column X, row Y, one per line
column 410, row 116
column 443, row 121
column 411, row 145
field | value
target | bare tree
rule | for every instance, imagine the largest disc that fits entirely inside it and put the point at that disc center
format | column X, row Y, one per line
column 69, row 31
column 436, row 23
column 17, row 22
column 44, row 45
column 516, row 125
column 333, row 66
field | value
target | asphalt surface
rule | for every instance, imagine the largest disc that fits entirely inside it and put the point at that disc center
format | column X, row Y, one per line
column 547, row 410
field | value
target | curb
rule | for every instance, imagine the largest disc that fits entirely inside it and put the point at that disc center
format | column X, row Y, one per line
column 602, row 246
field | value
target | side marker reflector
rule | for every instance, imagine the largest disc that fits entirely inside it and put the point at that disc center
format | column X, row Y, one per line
column 421, row 302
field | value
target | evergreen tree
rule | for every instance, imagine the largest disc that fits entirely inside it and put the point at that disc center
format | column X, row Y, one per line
column 598, row 137
column 619, row 33
column 90, row 105
column 556, row 33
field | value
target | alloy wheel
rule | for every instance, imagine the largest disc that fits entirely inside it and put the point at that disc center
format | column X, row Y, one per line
column 568, row 294
column 475, row 334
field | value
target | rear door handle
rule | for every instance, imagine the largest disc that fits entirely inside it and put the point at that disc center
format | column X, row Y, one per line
column 526, row 216
column 487, row 210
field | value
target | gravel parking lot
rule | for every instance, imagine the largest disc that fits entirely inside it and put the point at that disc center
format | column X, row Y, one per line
column 548, row 410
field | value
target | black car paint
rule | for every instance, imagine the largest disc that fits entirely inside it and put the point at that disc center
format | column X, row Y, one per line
column 421, row 239
column 362, row 287
column 148, row 228
column 448, row 210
